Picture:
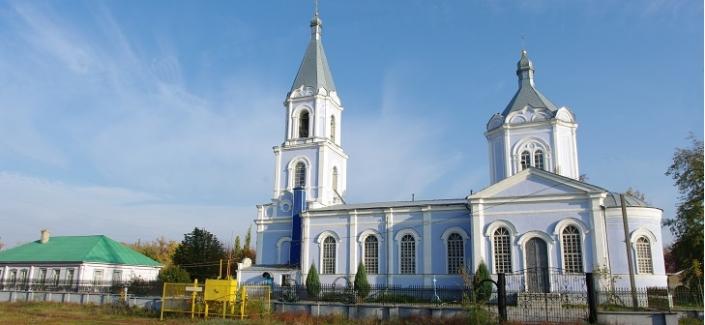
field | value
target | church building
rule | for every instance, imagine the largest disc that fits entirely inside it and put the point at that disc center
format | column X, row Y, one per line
column 535, row 217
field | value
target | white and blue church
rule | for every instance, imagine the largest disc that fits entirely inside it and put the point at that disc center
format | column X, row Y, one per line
column 536, row 213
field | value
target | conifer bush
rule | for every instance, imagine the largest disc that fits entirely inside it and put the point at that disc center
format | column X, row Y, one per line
column 313, row 283
column 483, row 290
column 362, row 287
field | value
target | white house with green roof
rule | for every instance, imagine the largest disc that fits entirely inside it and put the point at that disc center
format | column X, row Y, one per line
column 68, row 261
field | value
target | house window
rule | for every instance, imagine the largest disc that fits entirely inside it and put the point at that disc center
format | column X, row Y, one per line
column 97, row 276
column 643, row 255
column 408, row 255
column 12, row 279
column 117, row 277
column 525, row 160
column 328, row 256
column 372, row 255
column 303, row 125
column 42, row 276
column 502, row 251
column 538, row 159
column 456, row 252
column 55, row 277
column 335, row 179
column 300, row 175
column 24, row 278
column 69, row 276
column 332, row 128
column 572, row 250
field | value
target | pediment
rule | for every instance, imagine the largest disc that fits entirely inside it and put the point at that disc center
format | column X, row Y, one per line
column 536, row 182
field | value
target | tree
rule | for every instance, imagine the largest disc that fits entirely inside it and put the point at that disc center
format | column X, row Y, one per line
column 161, row 249
column 483, row 290
column 248, row 238
column 174, row 274
column 361, row 285
column 313, row 284
column 200, row 252
column 687, row 227
column 636, row 194
column 237, row 250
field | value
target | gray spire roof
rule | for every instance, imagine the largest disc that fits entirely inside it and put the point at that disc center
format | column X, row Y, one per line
column 527, row 93
column 314, row 71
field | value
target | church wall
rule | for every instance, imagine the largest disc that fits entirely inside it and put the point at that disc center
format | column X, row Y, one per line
column 270, row 236
column 312, row 175
column 447, row 221
column 642, row 221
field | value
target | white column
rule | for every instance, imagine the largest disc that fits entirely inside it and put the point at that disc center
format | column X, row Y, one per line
column 277, row 171
column 600, row 257
column 507, row 153
column 260, row 232
column 389, row 221
column 555, row 148
column 352, row 243
column 427, row 252
column 305, row 244
column 478, row 247
column 321, row 194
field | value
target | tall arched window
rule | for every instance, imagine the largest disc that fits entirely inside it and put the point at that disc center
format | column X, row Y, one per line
column 328, row 266
column 572, row 250
column 372, row 255
column 538, row 159
column 332, row 128
column 303, row 124
column 408, row 255
column 643, row 255
column 502, row 251
column 334, row 179
column 525, row 160
column 456, row 253
column 300, row 175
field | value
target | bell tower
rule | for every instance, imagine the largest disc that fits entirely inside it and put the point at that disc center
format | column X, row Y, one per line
column 311, row 156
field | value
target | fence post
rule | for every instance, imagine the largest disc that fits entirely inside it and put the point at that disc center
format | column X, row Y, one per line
column 591, row 298
column 502, row 297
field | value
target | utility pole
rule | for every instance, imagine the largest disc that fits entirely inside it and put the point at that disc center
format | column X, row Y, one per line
column 630, row 259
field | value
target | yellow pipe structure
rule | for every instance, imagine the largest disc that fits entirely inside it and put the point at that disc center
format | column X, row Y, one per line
column 193, row 298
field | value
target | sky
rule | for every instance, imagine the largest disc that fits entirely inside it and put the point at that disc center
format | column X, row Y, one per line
column 139, row 119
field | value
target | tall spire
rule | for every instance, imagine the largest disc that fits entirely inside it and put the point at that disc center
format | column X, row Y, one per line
column 527, row 95
column 314, row 71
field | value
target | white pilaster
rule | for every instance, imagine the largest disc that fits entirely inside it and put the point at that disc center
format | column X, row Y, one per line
column 389, row 225
column 352, row 243
column 427, row 252
column 478, row 221
column 600, row 257
column 305, row 244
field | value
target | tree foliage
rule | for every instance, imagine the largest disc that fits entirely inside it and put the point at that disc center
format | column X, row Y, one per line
column 362, row 286
column 636, row 194
column 313, row 283
column 687, row 226
column 161, row 249
column 483, row 290
column 200, row 253
column 174, row 274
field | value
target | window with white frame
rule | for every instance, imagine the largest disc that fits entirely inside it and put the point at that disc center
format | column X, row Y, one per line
column 55, row 277
column 300, row 175
column 69, row 276
column 572, row 250
column 502, row 251
column 643, row 255
column 12, row 277
column 372, row 254
column 456, row 253
column 525, row 160
column 117, row 277
column 24, row 276
column 328, row 266
column 332, row 128
column 303, row 124
column 408, row 255
column 42, row 276
column 538, row 159
column 97, row 276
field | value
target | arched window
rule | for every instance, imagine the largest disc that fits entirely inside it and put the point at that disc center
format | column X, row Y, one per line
column 332, row 128
column 303, row 124
column 538, row 159
column 572, row 250
column 328, row 266
column 372, row 255
column 408, row 255
column 525, row 160
column 456, row 252
column 334, row 180
column 643, row 255
column 502, row 251
column 300, row 175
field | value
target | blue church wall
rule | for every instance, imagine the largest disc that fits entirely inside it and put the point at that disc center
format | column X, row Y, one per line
column 311, row 156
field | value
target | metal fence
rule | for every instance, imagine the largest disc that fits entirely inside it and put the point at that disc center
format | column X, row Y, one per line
column 134, row 287
column 378, row 294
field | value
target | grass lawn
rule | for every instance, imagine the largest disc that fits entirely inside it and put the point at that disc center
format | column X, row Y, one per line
column 46, row 313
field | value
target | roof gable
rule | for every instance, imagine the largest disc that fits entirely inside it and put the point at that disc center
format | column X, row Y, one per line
column 536, row 182
column 99, row 249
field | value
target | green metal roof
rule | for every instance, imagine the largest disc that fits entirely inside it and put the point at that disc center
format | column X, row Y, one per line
column 100, row 249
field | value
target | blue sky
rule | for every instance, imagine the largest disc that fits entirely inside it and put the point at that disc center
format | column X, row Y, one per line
column 137, row 119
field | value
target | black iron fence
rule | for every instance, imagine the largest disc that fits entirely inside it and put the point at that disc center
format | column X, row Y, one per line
column 378, row 294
